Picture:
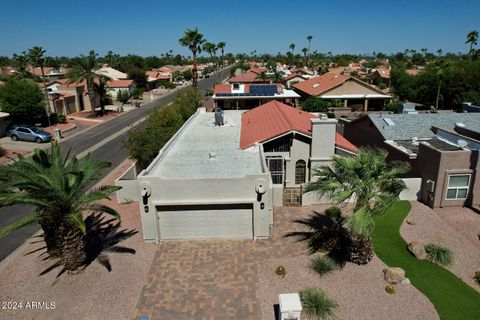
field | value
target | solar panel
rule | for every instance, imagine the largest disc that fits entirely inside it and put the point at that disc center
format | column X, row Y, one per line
column 266, row 90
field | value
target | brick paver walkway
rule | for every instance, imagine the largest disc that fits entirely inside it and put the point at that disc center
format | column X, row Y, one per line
column 215, row 279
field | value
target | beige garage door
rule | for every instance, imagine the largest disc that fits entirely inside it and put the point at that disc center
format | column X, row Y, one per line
column 233, row 221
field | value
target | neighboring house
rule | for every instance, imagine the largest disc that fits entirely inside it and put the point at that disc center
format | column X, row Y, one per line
column 468, row 107
column 112, row 73
column 154, row 76
column 250, row 76
column 302, row 71
column 50, row 72
column 115, row 86
column 294, row 142
column 294, row 78
column 65, row 99
column 354, row 93
column 246, row 96
column 380, row 76
column 432, row 144
column 202, row 185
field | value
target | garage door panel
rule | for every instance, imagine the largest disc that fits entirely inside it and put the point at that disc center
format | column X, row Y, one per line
column 206, row 224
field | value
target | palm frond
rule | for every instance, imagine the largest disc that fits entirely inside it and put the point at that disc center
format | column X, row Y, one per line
column 19, row 224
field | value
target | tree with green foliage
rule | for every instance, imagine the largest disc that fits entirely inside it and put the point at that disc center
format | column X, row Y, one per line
column 144, row 144
column 100, row 88
column 309, row 39
column 123, row 96
column 292, row 47
column 209, row 47
column 138, row 76
column 23, row 100
column 84, row 69
column 56, row 185
column 372, row 183
column 315, row 104
column 305, row 51
column 193, row 40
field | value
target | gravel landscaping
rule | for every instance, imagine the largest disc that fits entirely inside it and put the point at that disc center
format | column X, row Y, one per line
column 455, row 228
column 95, row 293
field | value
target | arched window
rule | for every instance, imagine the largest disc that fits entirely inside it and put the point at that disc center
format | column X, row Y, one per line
column 300, row 172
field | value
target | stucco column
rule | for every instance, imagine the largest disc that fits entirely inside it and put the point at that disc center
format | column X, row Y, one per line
column 345, row 103
column 365, row 105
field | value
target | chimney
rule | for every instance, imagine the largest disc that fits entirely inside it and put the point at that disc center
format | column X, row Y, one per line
column 323, row 140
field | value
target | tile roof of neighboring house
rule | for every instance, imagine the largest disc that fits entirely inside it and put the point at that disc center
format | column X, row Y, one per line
column 245, row 77
column 257, row 70
column 112, row 73
column 408, row 126
column 304, row 70
column 293, row 76
column 156, row 75
column 383, row 72
column 275, row 118
column 120, row 83
column 319, row 85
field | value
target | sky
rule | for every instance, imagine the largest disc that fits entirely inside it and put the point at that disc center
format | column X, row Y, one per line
column 147, row 27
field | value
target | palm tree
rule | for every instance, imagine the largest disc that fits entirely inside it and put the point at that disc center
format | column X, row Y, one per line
column 440, row 68
column 292, row 47
column 56, row 185
column 37, row 59
column 472, row 38
column 101, row 92
column 193, row 40
column 374, row 186
column 84, row 69
column 208, row 47
column 221, row 46
column 309, row 38
column 305, row 50
column 262, row 76
column 439, row 51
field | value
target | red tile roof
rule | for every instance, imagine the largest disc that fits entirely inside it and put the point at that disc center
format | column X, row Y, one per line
column 120, row 83
column 318, row 85
column 246, row 77
column 222, row 88
column 257, row 70
column 294, row 75
column 273, row 119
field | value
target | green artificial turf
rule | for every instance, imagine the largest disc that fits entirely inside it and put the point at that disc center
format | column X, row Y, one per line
column 452, row 298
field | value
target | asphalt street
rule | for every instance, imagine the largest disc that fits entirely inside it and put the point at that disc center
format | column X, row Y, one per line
column 85, row 140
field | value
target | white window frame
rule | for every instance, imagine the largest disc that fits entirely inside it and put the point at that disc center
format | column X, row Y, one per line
column 457, row 188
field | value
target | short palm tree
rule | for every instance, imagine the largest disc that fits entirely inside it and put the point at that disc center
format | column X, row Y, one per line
column 56, row 185
column 36, row 56
column 472, row 39
column 292, row 47
column 374, row 186
column 221, row 45
column 193, row 40
column 83, row 69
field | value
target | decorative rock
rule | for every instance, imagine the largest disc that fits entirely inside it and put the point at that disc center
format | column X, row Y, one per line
column 394, row 275
column 418, row 250
column 410, row 222
column 405, row 281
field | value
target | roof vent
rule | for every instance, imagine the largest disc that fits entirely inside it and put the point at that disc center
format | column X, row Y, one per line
column 389, row 122
column 460, row 124
column 219, row 121
column 315, row 85
column 212, row 156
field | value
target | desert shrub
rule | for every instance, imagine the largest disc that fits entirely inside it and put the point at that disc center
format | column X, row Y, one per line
column 317, row 304
column 476, row 277
column 439, row 254
column 281, row 271
column 323, row 265
column 334, row 212
column 390, row 288
column 138, row 93
column 61, row 118
column 53, row 118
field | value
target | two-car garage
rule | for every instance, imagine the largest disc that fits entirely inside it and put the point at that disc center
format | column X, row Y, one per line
column 212, row 221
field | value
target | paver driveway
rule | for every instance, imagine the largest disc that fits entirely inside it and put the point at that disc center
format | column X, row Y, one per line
column 215, row 279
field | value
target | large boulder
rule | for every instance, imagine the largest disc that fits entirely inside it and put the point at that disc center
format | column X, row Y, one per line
column 394, row 275
column 418, row 250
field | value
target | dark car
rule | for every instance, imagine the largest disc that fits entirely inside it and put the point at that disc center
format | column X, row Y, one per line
column 29, row 133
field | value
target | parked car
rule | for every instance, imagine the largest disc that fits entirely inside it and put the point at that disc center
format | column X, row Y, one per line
column 29, row 133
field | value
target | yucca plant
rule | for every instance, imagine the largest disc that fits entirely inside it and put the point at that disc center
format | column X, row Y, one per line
column 323, row 265
column 316, row 304
column 373, row 184
column 56, row 185
column 439, row 254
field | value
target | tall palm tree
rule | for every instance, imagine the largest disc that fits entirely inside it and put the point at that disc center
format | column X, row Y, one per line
column 305, row 50
column 472, row 38
column 221, row 45
column 309, row 39
column 83, row 69
column 374, row 186
column 56, row 185
column 193, row 40
column 36, row 56
column 209, row 47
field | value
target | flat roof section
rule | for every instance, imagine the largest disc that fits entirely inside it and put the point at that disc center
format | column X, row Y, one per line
column 203, row 150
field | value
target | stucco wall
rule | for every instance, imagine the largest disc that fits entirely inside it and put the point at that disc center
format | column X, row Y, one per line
column 350, row 87
column 413, row 189
column 300, row 150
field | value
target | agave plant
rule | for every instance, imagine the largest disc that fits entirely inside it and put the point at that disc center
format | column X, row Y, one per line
column 56, row 185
